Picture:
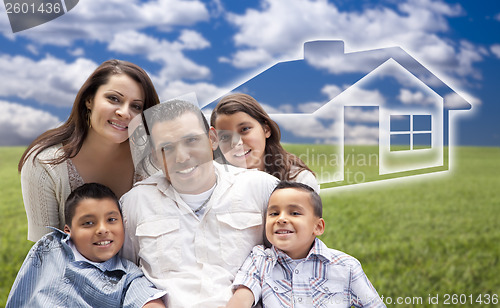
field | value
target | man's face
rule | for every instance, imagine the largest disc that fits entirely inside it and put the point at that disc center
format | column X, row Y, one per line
column 184, row 150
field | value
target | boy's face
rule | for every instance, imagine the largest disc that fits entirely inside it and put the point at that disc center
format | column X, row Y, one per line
column 97, row 229
column 291, row 225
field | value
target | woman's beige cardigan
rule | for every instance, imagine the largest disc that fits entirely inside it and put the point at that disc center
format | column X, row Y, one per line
column 45, row 188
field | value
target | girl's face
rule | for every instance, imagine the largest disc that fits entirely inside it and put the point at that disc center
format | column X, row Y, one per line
column 113, row 107
column 242, row 139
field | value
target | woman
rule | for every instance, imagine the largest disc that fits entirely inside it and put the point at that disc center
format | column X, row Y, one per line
column 250, row 139
column 91, row 146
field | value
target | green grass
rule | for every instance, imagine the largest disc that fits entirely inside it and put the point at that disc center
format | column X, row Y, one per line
column 13, row 223
column 361, row 163
column 434, row 234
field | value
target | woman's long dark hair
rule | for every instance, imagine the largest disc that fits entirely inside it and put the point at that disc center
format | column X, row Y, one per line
column 73, row 132
column 278, row 161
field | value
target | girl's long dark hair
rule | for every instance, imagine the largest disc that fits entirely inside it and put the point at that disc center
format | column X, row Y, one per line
column 278, row 161
column 73, row 132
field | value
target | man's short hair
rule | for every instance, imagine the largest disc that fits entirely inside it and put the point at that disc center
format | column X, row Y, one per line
column 315, row 199
column 86, row 191
column 171, row 110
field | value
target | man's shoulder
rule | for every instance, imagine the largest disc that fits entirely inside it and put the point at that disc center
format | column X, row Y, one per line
column 242, row 174
column 146, row 185
column 257, row 174
column 152, row 180
column 253, row 184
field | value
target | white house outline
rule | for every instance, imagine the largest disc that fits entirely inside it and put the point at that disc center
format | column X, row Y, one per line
column 447, row 98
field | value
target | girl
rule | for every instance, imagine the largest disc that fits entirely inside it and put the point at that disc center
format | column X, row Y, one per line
column 249, row 138
column 91, row 146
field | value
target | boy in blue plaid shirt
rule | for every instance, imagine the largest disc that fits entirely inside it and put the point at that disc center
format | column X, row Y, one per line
column 80, row 267
column 299, row 270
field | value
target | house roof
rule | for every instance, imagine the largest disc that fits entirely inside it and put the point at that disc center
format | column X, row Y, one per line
column 328, row 58
column 453, row 101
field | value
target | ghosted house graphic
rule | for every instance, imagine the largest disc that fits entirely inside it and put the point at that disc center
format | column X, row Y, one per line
column 367, row 116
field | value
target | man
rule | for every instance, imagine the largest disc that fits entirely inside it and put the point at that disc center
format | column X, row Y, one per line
column 190, row 226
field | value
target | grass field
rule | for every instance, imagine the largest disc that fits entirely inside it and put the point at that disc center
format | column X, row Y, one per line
column 417, row 238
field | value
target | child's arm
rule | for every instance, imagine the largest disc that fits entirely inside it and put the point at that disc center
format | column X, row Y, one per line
column 139, row 291
column 362, row 289
column 241, row 298
column 248, row 280
column 157, row 303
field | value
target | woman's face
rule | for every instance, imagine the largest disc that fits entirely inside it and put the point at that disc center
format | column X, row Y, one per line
column 113, row 106
column 242, row 139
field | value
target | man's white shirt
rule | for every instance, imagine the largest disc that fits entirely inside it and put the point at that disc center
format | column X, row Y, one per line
column 195, row 259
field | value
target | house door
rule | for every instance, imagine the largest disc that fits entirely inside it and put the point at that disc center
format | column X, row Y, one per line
column 361, row 144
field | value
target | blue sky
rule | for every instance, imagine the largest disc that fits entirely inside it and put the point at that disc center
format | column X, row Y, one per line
column 210, row 47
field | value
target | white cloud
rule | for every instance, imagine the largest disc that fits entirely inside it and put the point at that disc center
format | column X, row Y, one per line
column 19, row 124
column 167, row 13
column 175, row 64
column 278, row 28
column 100, row 20
column 77, row 52
column 307, row 126
column 192, row 40
column 327, row 130
column 358, row 115
column 249, row 58
column 49, row 81
column 361, row 135
column 32, row 48
column 335, row 61
column 358, row 96
column 297, row 108
column 279, row 25
column 331, row 90
column 306, row 107
column 408, row 97
column 205, row 92
column 309, row 107
column 4, row 23
column 224, row 60
column 495, row 49
column 468, row 55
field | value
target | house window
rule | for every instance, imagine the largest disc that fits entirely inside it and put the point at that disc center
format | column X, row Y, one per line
column 411, row 132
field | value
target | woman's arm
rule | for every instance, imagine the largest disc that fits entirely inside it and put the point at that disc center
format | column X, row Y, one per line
column 242, row 297
column 43, row 188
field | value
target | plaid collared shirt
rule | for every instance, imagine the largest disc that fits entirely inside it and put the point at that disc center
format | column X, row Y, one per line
column 325, row 278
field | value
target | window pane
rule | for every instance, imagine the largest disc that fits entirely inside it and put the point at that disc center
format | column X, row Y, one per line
column 400, row 123
column 422, row 141
column 400, row 142
column 422, row 123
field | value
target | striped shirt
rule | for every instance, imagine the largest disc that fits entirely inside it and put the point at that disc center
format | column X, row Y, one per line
column 325, row 278
column 51, row 277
